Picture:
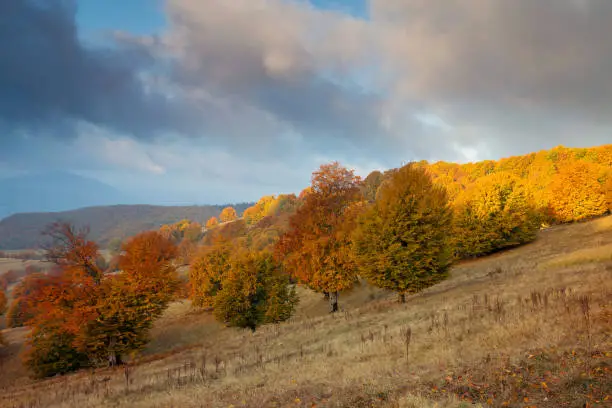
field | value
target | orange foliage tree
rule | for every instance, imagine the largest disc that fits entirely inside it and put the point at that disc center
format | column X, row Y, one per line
column 228, row 214
column 81, row 317
column 2, row 310
column 70, row 249
column 130, row 302
column 24, row 294
column 313, row 250
column 212, row 223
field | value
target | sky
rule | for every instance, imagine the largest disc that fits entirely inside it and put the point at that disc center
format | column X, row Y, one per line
column 216, row 101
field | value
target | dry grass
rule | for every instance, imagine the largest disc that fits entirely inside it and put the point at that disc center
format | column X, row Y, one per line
column 582, row 256
column 493, row 333
column 603, row 224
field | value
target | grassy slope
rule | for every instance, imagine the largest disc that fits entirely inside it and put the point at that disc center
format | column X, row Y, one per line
column 507, row 329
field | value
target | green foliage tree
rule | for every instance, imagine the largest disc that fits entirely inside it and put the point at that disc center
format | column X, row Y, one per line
column 254, row 292
column 402, row 241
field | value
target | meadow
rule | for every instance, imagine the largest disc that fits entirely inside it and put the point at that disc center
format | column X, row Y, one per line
column 527, row 327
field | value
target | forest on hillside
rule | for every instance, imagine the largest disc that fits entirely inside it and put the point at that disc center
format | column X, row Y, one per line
column 401, row 230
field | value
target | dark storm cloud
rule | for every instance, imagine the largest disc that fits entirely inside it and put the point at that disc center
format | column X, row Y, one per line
column 49, row 80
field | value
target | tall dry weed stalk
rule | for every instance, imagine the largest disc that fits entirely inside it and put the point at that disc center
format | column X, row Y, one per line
column 407, row 339
column 585, row 306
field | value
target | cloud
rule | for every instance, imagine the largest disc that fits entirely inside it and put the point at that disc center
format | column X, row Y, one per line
column 278, row 58
column 538, row 70
column 50, row 80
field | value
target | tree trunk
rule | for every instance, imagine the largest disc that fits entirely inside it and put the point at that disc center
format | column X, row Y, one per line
column 114, row 359
column 333, row 302
column 326, row 295
column 401, row 298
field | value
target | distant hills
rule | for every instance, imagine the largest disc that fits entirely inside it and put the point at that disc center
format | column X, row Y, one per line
column 28, row 203
column 55, row 191
column 23, row 231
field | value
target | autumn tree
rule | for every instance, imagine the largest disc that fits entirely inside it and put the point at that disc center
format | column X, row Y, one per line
column 24, row 294
column 284, row 203
column 62, row 308
column 70, row 249
column 495, row 212
column 193, row 232
column 577, row 193
column 371, row 184
column 402, row 241
column 608, row 192
column 228, row 214
column 312, row 250
column 65, row 304
column 207, row 273
column 212, row 223
column 255, row 213
column 130, row 302
column 254, row 292
column 81, row 317
column 2, row 310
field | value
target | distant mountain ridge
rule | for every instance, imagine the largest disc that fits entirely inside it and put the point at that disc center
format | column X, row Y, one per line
column 55, row 191
column 23, row 231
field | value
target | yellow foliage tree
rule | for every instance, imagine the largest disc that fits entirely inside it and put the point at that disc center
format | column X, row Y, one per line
column 207, row 274
column 607, row 188
column 228, row 214
column 577, row 193
column 493, row 213
column 254, row 214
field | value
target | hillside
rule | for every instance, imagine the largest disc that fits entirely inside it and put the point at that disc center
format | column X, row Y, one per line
column 22, row 231
column 525, row 327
